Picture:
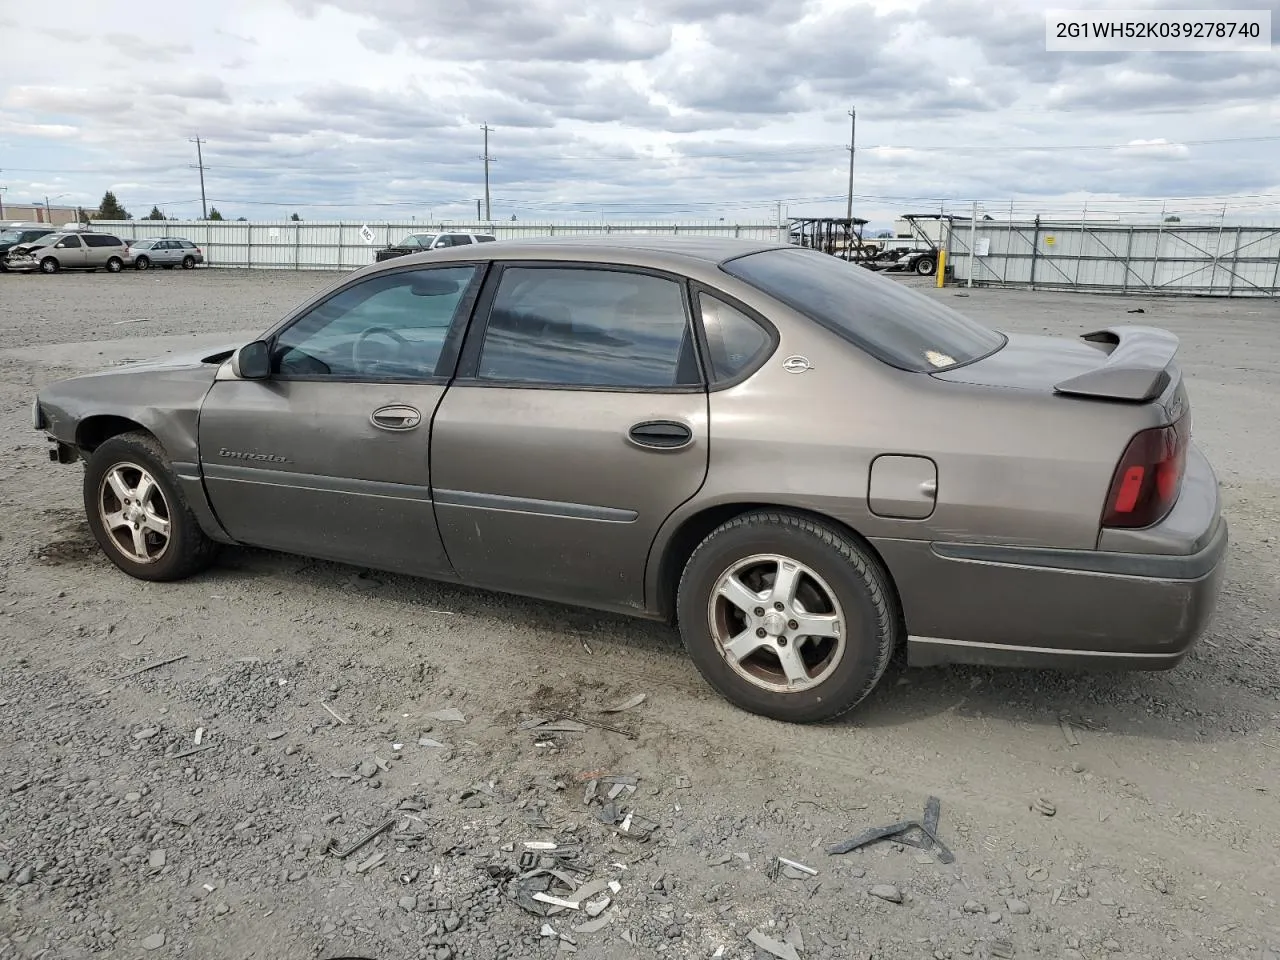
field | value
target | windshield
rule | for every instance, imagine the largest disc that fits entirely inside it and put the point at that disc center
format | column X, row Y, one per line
column 10, row 236
column 423, row 240
column 895, row 324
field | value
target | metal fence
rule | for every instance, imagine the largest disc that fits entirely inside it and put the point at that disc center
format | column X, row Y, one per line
column 347, row 245
column 1221, row 259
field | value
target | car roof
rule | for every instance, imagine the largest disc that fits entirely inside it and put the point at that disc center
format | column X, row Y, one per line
column 641, row 249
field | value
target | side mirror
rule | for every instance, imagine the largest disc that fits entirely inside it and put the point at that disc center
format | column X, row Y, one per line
column 252, row 361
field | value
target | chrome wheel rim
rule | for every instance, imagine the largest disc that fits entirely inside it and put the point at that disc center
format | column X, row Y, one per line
column 777, row 623
column 134, row 513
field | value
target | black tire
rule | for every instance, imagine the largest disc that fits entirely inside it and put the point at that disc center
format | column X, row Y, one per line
column 189, row 550
column 873, row 628
column 188, row 263
column 115, row 265
column 142, row 263
column 50, row 265
column 925, row 266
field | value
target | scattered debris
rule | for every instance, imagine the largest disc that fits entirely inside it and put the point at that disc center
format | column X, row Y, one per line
column 554, row 726
column 333, row 713
column 779, row 948
column 199, row 735
column 901, row 831
column 1002, row 950
column 797, row 866
column 887, row 892
column 1043, row 806
column 626, row 704
column 1068, row 732
column 1136, row 310
column 150, row 666
column 342, row 854
column 448, row 715
column 193, row 750
column 153, row 942
column 428, row 742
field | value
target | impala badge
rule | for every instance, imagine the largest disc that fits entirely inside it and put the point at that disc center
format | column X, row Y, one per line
column 796, row 364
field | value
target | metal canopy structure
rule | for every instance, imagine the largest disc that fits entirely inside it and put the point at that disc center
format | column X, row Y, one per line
column 839, row 236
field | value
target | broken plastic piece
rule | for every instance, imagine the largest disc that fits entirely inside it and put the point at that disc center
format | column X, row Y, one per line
column 900, row 832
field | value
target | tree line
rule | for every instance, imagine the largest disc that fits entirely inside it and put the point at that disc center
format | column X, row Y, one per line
column 112, row 209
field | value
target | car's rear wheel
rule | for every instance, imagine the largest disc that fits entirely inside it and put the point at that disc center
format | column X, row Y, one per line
column 138, row 514
column 188, row 263
column 142, row 263
column 115, row 265
column 925, row 266
column 49, row 265
column 787, row 617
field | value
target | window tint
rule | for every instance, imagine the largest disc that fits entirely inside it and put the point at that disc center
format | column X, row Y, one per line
column 186, row 244
column 101, row 240
column 588, row 328
column 893, row 323
column 734, row 340
column 388, row 327
column 483, row 239
column 69, row 242
column 142, row 244
column 460, row 239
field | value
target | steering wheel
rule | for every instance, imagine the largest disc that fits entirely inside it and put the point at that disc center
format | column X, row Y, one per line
column 360, row 363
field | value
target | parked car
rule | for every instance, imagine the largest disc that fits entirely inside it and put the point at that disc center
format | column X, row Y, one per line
column 417, row 242
column 71, row 250
column 19, row 234
column 167, row 252
column 803, row 464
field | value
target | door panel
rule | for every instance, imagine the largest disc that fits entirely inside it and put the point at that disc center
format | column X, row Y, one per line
column 542, row 492
column 300, row 466
column 70, row 257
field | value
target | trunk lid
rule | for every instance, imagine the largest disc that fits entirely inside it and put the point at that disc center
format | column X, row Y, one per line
column 1121, row 363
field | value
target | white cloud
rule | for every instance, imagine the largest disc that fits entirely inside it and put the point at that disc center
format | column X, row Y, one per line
column 674, row 104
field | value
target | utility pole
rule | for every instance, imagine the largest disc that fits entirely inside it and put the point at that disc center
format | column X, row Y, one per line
column 853, row 134
column 204, row 206
column 2, row 193
column 486, row 158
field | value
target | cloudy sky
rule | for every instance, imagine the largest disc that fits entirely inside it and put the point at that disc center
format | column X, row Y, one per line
column 654, row 108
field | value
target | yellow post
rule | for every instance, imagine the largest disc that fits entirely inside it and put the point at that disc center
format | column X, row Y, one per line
column 942, row 265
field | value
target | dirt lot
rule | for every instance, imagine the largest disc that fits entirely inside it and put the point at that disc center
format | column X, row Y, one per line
column 313, row 684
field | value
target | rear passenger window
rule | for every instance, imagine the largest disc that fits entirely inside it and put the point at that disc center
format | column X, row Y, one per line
column 460, row 240
column 100, row 240
column 734, row 340
column 588, row 328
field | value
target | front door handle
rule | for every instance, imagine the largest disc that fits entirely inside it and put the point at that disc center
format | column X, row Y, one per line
column 661, row 434
column 395, row 417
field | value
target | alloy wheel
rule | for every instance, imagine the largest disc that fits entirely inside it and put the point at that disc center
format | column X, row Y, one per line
column 777, row 623
column 134, row 513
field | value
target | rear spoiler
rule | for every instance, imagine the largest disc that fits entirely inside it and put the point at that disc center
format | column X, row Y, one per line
column 1136, row 367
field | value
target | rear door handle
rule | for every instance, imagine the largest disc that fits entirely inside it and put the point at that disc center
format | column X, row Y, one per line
column 395, row 417
column 661, row 434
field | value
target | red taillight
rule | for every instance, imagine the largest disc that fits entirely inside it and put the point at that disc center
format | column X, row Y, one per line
column 1148, row 478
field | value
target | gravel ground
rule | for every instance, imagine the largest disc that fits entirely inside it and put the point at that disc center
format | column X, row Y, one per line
column 328, row 701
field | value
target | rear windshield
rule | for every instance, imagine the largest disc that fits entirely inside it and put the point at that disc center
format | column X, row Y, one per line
column 889, row 320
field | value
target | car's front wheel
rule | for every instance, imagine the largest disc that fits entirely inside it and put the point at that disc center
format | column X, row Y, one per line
column 138, row 514
column 787, row 617
column 49, row 265
column 142, row 263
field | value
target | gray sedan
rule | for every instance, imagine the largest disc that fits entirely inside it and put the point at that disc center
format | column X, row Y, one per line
column 804, row 465
column 167, row 252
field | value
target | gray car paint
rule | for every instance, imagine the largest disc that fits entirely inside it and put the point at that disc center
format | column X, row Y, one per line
column 1017, row 466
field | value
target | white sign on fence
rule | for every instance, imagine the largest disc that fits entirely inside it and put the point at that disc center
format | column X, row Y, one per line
column 982, row 247
column 366, row 234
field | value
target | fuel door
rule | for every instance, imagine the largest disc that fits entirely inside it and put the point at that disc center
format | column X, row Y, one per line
column 903, row 487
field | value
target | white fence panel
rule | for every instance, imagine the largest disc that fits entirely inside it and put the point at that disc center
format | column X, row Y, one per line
column 1153, row 259
column 335, row 245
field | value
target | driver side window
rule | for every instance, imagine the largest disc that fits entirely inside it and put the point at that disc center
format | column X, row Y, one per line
column 389, row 327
